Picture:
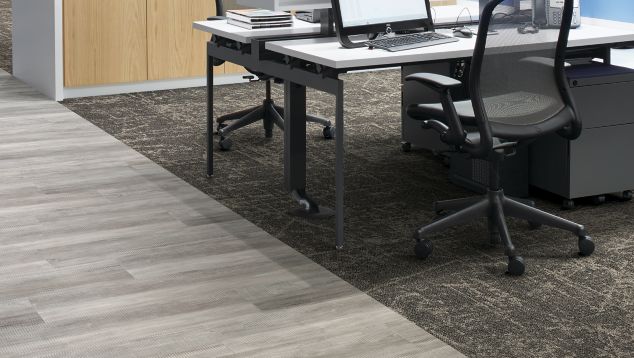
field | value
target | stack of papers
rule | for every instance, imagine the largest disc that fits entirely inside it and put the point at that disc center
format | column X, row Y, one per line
column 259, row 18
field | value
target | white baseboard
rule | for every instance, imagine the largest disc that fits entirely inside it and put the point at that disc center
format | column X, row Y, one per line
column 146, row 86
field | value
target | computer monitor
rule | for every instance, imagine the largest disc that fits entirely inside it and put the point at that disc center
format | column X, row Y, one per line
column 354, row 17
column 286, row 5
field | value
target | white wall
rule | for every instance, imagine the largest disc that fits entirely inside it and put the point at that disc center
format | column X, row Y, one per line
column 37, row 45
column 623, row 58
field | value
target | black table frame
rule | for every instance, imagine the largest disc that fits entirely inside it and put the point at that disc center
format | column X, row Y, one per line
column 298, row 75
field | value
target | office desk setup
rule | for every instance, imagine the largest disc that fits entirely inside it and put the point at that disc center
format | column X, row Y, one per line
column 303, row 58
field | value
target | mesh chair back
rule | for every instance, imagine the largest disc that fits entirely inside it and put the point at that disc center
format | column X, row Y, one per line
column 518, row 72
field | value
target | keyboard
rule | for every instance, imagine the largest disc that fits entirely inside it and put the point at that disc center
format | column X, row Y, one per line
column 410, row 41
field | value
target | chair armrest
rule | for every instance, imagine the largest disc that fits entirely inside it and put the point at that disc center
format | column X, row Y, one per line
column 452, row 132
column 435, row 81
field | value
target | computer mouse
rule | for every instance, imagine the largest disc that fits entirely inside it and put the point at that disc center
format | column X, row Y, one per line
column 463, row 32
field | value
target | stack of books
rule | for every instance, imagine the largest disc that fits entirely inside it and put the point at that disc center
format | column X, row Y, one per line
column 259, row 18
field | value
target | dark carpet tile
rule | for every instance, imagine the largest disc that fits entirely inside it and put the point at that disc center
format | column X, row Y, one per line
column 563, row 306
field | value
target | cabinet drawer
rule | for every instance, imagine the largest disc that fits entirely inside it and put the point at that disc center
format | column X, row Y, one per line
column 616, row 106
column 596, row 163
column 600, row 161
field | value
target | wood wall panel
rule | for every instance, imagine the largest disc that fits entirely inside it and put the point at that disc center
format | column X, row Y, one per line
column 175, row 49
column 105, row 41
column 233, row 68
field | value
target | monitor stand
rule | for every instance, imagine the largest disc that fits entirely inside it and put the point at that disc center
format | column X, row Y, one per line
column 328, row 29
column 347, row 43
column 327, row 21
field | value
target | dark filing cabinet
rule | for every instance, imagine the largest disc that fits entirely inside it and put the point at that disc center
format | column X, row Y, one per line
column 601, row 160
column 596, row 164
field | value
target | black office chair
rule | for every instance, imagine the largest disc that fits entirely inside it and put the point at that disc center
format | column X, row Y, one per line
column 268, row 112
column 518, row 93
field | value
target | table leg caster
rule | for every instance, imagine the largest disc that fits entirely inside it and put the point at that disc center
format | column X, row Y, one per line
column 309, row 209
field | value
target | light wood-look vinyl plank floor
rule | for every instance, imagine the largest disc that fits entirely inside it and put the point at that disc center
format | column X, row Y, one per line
column 105, row 254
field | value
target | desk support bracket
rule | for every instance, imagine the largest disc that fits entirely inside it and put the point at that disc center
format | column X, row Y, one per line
column 295, row 153
column 295, row 157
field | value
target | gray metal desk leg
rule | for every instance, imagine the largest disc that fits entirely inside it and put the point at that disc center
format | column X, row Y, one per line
column 295, row 152
column 210, row 116
column 339, row 167
column 294, row 136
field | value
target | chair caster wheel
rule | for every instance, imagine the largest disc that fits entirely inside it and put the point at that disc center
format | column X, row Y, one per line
column 406, row 147
column 225, row 144
column 516, row 266
column 586, row 246
column 219, row 127
column 423, row 249
column 568, row 204
column 533, row 225
column 627, row 195
column 598, row 200
column 329, row 132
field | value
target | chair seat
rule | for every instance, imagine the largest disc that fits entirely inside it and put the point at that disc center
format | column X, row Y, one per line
column 510, row 114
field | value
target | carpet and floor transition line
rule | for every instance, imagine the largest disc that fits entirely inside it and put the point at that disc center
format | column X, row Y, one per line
column 563, row 306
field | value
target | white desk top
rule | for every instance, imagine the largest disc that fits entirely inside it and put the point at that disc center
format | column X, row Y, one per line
column 283, row 5
column 328, row 51
column 441, row 14
column 237, row 33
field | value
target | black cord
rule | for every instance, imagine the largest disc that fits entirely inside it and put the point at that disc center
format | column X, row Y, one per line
column 460, row 14
column 457, row 23
column 525, row 21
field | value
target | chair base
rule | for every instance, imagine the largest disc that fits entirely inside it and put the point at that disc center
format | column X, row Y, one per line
column 495, row 206
column 269, row 113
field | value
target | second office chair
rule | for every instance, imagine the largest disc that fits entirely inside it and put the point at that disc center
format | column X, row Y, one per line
column 268, row 112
